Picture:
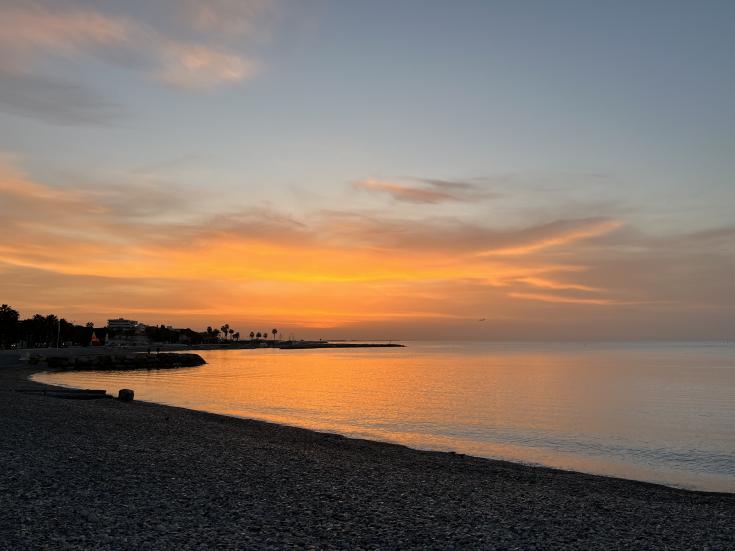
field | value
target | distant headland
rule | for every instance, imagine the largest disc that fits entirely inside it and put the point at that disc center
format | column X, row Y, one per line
column 51, row 331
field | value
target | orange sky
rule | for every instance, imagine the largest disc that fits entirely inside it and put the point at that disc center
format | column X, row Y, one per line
column 397, row 171
column 86, row 253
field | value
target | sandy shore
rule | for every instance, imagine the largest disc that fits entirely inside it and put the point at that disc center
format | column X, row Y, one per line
column 102, row 474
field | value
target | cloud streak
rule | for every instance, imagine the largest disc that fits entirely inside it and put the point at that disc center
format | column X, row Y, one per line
column 428, row 192
column 32, row 34
column 30, row 31
column 230, row 17
column 57, row 101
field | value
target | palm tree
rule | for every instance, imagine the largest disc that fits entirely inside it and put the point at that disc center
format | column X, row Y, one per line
column 252, row 335
column 225, row 329
column 257, row 335
column 215, row 333
column 275, row 332
column 265, row 334
column 236, row 336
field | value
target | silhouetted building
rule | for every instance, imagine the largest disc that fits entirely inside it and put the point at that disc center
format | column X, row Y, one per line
column 121, row 324
column 123, row 332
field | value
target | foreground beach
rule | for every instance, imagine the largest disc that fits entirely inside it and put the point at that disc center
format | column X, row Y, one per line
column 105, row 474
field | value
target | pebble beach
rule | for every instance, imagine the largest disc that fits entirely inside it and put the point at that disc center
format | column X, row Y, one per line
column 103, row 474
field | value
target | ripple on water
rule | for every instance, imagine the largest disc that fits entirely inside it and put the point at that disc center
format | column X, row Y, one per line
column 654, row 412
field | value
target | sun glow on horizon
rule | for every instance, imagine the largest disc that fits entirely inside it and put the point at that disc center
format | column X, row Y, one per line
column 199, row 161
column 313, row 272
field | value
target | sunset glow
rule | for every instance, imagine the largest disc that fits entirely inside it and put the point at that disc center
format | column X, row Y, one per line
column 172, row 187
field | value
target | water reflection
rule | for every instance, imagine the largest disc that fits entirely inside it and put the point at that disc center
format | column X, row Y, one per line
column 652, row 412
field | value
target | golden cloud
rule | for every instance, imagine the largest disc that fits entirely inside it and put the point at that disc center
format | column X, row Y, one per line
column 32, row 32
column 329, row 266
column 96, row 251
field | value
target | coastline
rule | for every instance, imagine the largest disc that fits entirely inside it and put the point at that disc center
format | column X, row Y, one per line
column 147, row 473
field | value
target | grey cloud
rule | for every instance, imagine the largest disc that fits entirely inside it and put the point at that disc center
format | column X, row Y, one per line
column 55, row 101
column 448, row 233
column 137, row 199
column 430, row 191
column 35, row 32
column 454, row 185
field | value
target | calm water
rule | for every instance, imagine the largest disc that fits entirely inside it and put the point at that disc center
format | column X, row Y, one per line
column 663, row 413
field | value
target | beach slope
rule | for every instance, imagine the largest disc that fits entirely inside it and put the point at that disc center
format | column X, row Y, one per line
column 109, row 475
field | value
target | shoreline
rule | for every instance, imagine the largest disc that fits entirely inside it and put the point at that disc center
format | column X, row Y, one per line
column 111, row 394
column 78, row 360
column 37, row 369
column 483, row 502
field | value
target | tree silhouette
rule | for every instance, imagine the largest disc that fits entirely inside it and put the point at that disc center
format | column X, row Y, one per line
column 257, row 335
column 52, row 329
column 275, row 332
column 8, row 325
column 225, row 329
column 236, row 336
column 252, row 335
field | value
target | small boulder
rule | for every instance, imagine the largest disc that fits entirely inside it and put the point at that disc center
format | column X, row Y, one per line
column 126, row 395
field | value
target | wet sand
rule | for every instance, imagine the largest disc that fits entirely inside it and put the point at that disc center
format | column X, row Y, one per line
column 102, row 474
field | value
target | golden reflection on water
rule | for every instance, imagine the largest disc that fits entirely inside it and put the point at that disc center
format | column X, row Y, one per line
column 655, row 413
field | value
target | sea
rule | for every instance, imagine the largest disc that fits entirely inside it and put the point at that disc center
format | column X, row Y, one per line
column 657, row 412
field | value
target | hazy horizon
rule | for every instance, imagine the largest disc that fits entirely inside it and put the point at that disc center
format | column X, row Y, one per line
column 377, row 170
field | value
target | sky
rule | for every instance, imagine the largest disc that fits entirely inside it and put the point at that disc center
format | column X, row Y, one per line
column 497, row 170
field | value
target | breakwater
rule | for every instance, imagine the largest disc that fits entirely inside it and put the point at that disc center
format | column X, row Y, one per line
column 119, row 362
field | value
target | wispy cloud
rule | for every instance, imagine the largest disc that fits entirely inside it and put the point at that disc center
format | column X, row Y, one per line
column 196, row 66
column 56, row 101
column 429, row 191
column 554, row 234
column 231, row 17
column 561, row 299
column 30, row 30
column 450, row 234
column 557, row 285
column 33, row 33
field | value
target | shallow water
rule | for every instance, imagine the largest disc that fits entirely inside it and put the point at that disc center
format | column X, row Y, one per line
column 657, row 412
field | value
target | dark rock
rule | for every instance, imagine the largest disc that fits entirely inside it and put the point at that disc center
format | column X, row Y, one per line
column 126, row 395
column 58, row 362
column 124, row 361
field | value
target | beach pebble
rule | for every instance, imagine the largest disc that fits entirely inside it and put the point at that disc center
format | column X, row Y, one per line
column 91, row 474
